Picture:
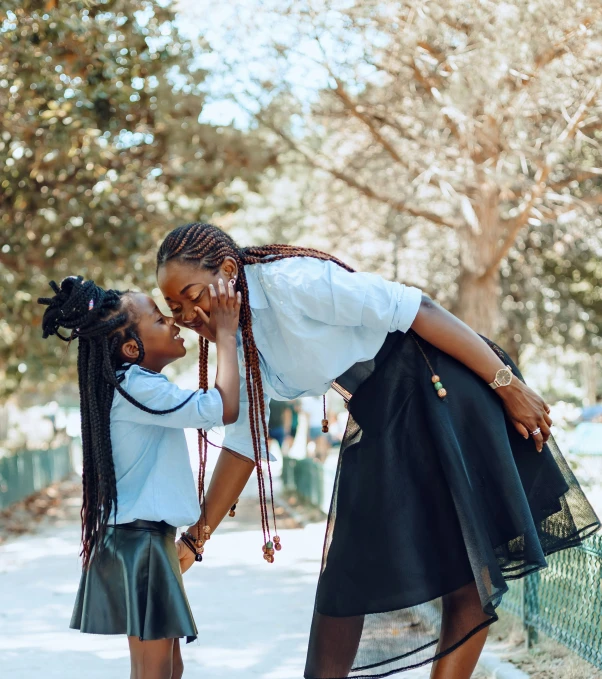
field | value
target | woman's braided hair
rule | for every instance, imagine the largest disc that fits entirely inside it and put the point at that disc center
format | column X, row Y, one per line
column 102, row 321
column 208, row 246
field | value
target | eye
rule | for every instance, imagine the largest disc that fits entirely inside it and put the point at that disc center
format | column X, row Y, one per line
column 198, row 297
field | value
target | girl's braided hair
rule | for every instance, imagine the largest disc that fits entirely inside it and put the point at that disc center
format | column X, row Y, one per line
column 207, row 246
column 102, row 321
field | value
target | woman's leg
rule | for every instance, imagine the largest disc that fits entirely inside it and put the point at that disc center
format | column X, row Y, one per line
column 333, row 645
column 461, row 609
column 177, row 669
column 151, row 659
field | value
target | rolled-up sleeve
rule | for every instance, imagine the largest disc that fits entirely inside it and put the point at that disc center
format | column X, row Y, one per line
column 406, row 308
column 238, row 435
column 202, row 410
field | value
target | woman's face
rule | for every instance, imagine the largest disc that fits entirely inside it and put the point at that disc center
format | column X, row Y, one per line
column 185, row 286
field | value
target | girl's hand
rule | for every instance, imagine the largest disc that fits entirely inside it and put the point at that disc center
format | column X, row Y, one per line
column 224, row 312
column 527, row 410
column 185, row 556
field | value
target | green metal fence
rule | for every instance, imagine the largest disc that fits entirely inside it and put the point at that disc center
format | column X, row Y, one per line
column 312, row 481
column 306, row 478
column 564, row 601
column 29, row 471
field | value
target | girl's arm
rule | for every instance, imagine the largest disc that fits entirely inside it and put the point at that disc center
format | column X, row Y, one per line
column 231, row 474
column 225, row 310
column 527, row 410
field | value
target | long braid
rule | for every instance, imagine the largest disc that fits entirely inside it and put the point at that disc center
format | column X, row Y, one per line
column 202, row 434
column 208, row 246
column 102, row 322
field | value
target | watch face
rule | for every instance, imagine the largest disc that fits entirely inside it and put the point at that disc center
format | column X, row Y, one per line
column 504, row 377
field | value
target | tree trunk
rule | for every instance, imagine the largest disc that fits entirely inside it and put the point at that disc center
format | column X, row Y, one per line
column 478, row 301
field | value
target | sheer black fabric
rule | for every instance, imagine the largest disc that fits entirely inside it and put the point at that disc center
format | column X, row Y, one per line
column 436, row 504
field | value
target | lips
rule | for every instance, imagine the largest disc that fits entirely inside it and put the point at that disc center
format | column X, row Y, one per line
column 177, row 335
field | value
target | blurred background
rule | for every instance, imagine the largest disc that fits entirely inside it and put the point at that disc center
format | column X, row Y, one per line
column 453, row 145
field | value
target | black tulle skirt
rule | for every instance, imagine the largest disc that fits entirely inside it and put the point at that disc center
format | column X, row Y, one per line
column 437, row 503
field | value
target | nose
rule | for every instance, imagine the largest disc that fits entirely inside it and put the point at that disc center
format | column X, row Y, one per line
column 188, row 316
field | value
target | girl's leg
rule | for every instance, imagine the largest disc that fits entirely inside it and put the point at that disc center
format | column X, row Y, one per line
column 151, row 659
column 177, row 669
column 460, row 610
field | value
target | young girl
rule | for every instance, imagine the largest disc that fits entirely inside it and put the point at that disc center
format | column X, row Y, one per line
column 137, row 480
column 448, row 482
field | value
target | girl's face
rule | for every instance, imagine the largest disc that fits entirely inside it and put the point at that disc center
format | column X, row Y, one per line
column 159, row 334
column 185, row 286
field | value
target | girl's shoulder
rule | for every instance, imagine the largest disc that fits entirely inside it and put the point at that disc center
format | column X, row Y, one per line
column 136, row 379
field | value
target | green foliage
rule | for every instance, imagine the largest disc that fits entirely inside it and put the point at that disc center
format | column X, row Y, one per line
column 101, row 153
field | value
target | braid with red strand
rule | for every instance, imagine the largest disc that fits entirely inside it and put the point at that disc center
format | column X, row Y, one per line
column 208, row 246
column 202, row 434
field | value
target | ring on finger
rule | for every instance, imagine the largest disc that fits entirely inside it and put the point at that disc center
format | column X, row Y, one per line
column 537, row 431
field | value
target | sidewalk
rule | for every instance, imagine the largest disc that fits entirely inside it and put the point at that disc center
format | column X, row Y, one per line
column 253, row 618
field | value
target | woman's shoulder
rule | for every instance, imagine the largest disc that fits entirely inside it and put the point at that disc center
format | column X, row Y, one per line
column 295, row 271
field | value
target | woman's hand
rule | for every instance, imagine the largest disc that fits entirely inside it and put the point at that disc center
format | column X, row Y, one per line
column 527, row 410
column 185, row 556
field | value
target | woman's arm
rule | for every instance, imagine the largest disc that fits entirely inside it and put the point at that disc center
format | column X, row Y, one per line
column 443, row 330
column 228, row 480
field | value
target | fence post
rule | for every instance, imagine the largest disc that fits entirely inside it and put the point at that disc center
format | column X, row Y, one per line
column 531, row 608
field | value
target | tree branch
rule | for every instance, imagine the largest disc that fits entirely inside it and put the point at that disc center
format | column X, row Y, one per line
column 515, row 224
column 367, row 191
column 342, row 94
column 576, row 176
column 573, row 124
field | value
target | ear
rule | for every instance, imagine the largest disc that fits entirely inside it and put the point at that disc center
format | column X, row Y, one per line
column 130, row 351
column 229, row 268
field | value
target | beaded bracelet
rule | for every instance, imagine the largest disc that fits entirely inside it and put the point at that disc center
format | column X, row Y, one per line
column 186, row 539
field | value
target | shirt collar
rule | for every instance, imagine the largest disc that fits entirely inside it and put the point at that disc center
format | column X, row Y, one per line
column 257, row 298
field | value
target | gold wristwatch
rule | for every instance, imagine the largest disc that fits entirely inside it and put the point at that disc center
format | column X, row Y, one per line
column 503, row 377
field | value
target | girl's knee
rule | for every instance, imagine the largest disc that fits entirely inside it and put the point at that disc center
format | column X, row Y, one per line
column 151, row 659
column 177, row 662
column 177, row 670
column 156, row 668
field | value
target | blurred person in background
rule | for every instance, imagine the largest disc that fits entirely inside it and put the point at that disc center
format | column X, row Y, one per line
column 317, row 440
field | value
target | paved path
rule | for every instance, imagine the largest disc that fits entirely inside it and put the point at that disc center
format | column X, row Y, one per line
column 253, row 618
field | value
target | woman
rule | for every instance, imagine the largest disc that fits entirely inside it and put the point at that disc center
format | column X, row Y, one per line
column 440, row 497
